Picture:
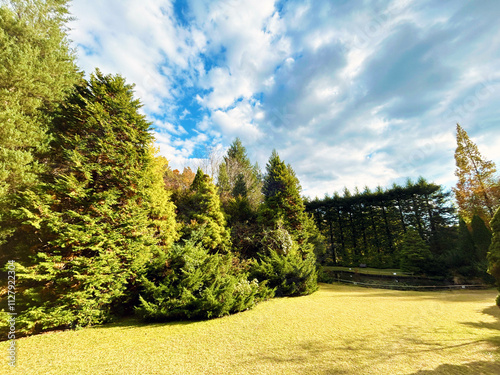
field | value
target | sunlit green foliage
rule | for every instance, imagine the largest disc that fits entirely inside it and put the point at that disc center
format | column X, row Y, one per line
column 37, row 70
column 90, row 228
column 199, row 207
column 189, row 282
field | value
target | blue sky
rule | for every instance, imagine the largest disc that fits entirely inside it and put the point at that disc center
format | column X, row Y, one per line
column 350, row 93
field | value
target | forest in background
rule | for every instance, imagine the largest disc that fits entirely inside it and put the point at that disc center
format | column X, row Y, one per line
column 376, row 229
column 419, row 227
column 100, row 226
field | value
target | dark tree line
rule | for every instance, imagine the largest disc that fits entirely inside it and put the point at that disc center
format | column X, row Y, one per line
column 368, row 227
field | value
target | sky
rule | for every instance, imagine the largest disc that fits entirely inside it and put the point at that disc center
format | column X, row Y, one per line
column 350, row 93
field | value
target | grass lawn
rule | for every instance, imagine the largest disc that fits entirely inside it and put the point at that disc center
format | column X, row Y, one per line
column 337, row 330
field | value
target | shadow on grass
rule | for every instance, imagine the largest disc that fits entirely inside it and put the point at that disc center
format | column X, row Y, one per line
column 356, row 355
column 472, row 368
column 302, row 354
column 133, row 323
column 492, row 311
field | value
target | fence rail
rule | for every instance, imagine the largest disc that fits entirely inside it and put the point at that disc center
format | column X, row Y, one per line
column 414, row 287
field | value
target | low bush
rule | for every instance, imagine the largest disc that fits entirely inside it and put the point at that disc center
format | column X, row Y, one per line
column 187, row 282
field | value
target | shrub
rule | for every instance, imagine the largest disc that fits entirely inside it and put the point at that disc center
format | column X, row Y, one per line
column 188, row 282
column 289, row 274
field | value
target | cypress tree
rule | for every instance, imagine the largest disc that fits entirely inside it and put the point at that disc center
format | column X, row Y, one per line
column 287, row 259
column 282, row 200
column 161, row 209
column 189, row 282
column 37, row 70
column 92, row 226
column 289, row 274
column 201, row 208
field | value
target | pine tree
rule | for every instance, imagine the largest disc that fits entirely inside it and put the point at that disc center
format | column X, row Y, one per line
column 37, row 70
column 100, row 214
column 478, row 188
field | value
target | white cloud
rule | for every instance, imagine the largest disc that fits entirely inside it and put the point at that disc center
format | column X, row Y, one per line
column 238, row 122
column 350, row 93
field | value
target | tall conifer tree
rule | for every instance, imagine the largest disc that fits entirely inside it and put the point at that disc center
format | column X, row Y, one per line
column 282, row 198
column 201, row 208
column 288, row 259
column 92, row 225
column 236, row 173
column 478, row 188
column 37, row 70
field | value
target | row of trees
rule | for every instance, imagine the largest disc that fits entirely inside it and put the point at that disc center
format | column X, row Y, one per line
column 416, row 226
column 368, row 227
column 99, row 226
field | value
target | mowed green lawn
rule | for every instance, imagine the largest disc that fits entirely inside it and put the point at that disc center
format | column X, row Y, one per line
column 337, row 330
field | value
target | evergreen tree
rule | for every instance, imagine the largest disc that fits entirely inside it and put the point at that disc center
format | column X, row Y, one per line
column 92, row 226
column 37, row 70
column 161, row 209
column 415, row 254
column 494, row 251
column 287, row 257
column 481, row 236
column 462, row 259
column 478, row 188
column 289, row 274
column 240, row 187
column 282, row 200
column 367, row 227
column 200, row 207
column 236, row 172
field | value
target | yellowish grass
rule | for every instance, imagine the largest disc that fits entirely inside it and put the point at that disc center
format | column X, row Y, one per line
column 337, row 330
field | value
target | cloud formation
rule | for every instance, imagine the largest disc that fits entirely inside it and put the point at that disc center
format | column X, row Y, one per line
column 349, row 93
